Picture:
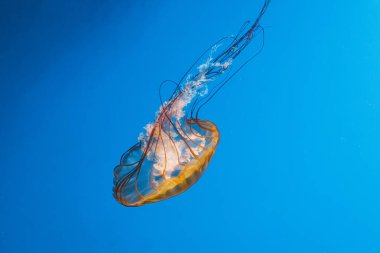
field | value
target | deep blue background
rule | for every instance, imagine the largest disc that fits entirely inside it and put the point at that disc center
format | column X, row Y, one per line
column 297, row 168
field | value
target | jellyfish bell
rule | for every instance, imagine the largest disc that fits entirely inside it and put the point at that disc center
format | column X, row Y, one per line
column 170, row 167
column 177, row 147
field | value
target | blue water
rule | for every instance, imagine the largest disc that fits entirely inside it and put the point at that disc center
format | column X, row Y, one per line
column 297, row 167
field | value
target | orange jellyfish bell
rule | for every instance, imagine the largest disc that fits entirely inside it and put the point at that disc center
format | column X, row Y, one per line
column 170, row 166
column 177, row 147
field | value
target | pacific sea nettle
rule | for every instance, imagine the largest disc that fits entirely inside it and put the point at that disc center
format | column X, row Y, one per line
column 177, row 147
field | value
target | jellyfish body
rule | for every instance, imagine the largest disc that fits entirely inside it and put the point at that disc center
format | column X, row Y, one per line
column 175, row 169
column 177, row 147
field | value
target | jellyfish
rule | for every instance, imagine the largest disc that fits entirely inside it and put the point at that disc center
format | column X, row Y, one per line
column 176, row 148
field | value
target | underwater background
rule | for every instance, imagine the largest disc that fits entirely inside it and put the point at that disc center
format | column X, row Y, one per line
column 297, row 168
